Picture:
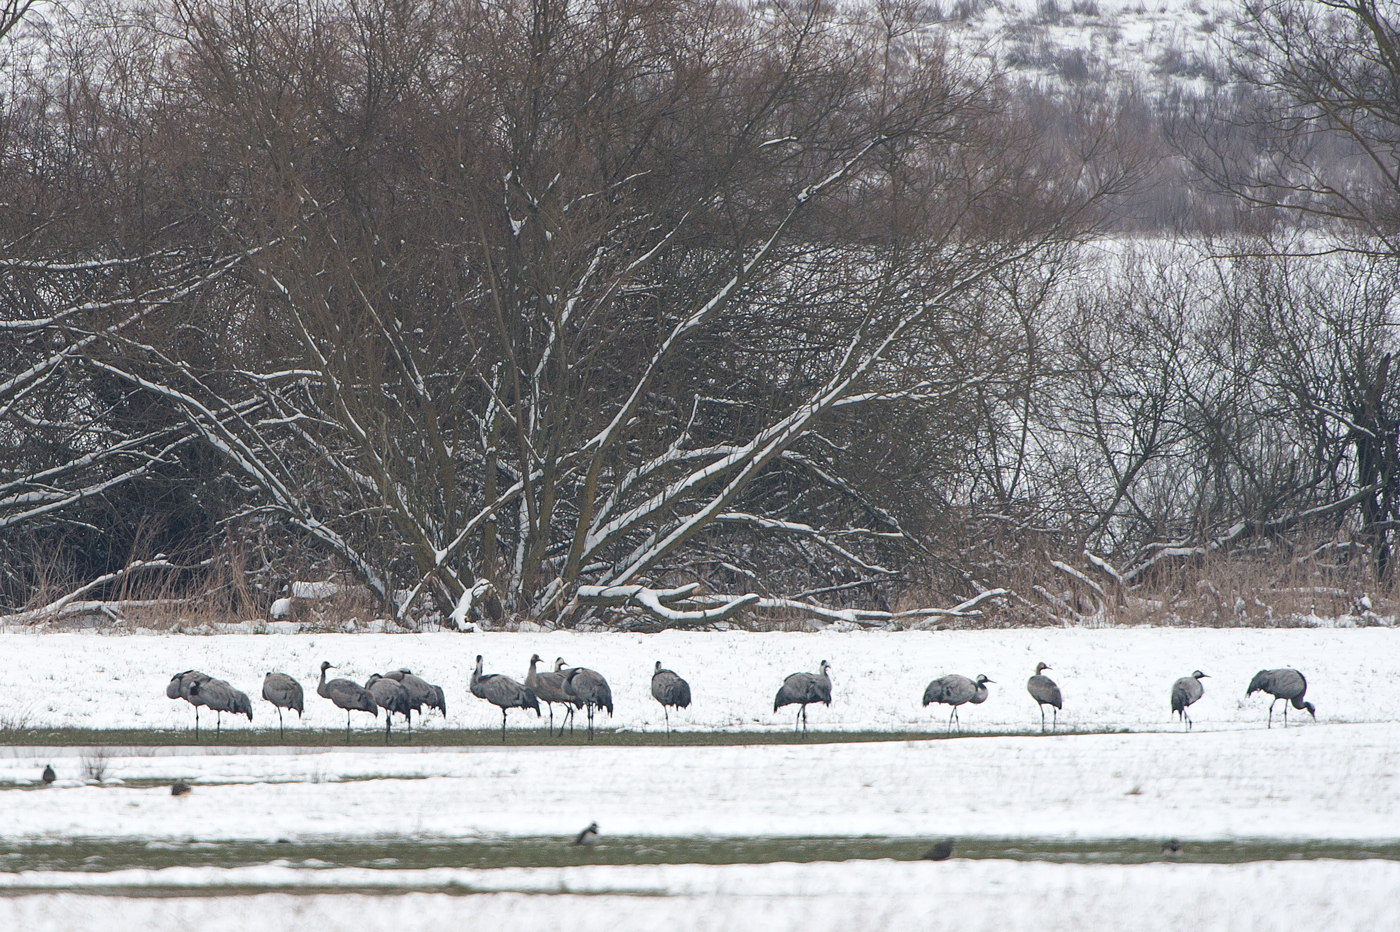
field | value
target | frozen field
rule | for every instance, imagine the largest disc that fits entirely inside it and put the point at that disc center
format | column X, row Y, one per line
column 1313, row 782
column 972, row 896
column 1111, row 678
column 1129, row 778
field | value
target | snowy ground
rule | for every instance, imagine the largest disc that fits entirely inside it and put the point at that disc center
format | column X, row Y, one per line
column 971, row 896
column 1232, row 779
column 1316, row 782
column 1110, row 678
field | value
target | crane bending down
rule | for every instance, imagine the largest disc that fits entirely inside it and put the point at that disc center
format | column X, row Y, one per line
column 504, row 692
column 670, row 690
column 346, row 694
column 549, row 688
column 802, row 689
column 391, row 696
column 589, row 691
column 420, row 693
column 179, row 688
column 954, row 690
column 1286, row 684
column 220, row 696
column 283, row 692
column 1186, row 691
column 1044, row 691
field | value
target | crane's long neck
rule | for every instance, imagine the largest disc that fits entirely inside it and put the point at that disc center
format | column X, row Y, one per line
column 532, row 677
column 476, row 673
column 321, row 686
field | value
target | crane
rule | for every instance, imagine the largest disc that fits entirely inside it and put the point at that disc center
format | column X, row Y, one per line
column 954, row 690
column 803, row 689
column 346, row 694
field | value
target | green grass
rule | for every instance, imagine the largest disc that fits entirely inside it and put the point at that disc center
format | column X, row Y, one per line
column 403, row 853
column 480, row 737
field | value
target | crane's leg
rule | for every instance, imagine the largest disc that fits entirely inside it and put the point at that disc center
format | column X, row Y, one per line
column 1188, row 719
column 1285, row 714
column 219, row 723
column 804, row 719
column 667, row 712
column 503, row 725
column 590, row 721
column 388, row 720
column 1055, row 720
column 1042, row 718
column 950, row 717
column 196, row 724
column 797, row 720
column 347, row 726
column 551, row 717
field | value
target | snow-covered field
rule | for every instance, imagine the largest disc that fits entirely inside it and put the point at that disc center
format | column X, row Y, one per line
column 1110, row 678
column 971, row 896
column 1337, row 779
column 1320, row 782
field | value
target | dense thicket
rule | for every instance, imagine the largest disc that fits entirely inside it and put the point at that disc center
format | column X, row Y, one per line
column 782, row 299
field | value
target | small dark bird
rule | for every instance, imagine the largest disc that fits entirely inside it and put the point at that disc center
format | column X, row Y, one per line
column 284, row 693
column 179, row 789
column 346, row 694
column 1044, row 691
column 939, row 852
column 1172, row 849
column 502, row 692
column 590, row 691
column 589, row 836
column 220, row 696
column 48, row 776
column 954, row 690
column 1282, row 684
column 1186, row 691
column 803, row 689
column 670, row 690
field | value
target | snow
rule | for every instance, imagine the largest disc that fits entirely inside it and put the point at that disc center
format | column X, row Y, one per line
column 1230, row 779
column 1111, row 678
column 1157, row 46
column 1331, row 782
column 974, row 896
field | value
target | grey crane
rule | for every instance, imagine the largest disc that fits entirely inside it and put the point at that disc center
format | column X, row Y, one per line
column 346, row 694
column 589, row 836
column 391, row 696
column 283, row 692
column 48, row 776
column 220, row 696
column 954, row 690
column 802, row 689
column 179, row 688
column 670, row 690
column 1044, row 691
column 420, row 692
column 1186, row 691
column 549, row 688
column 589, row 691
column 1286, row 684
column 502, row 692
